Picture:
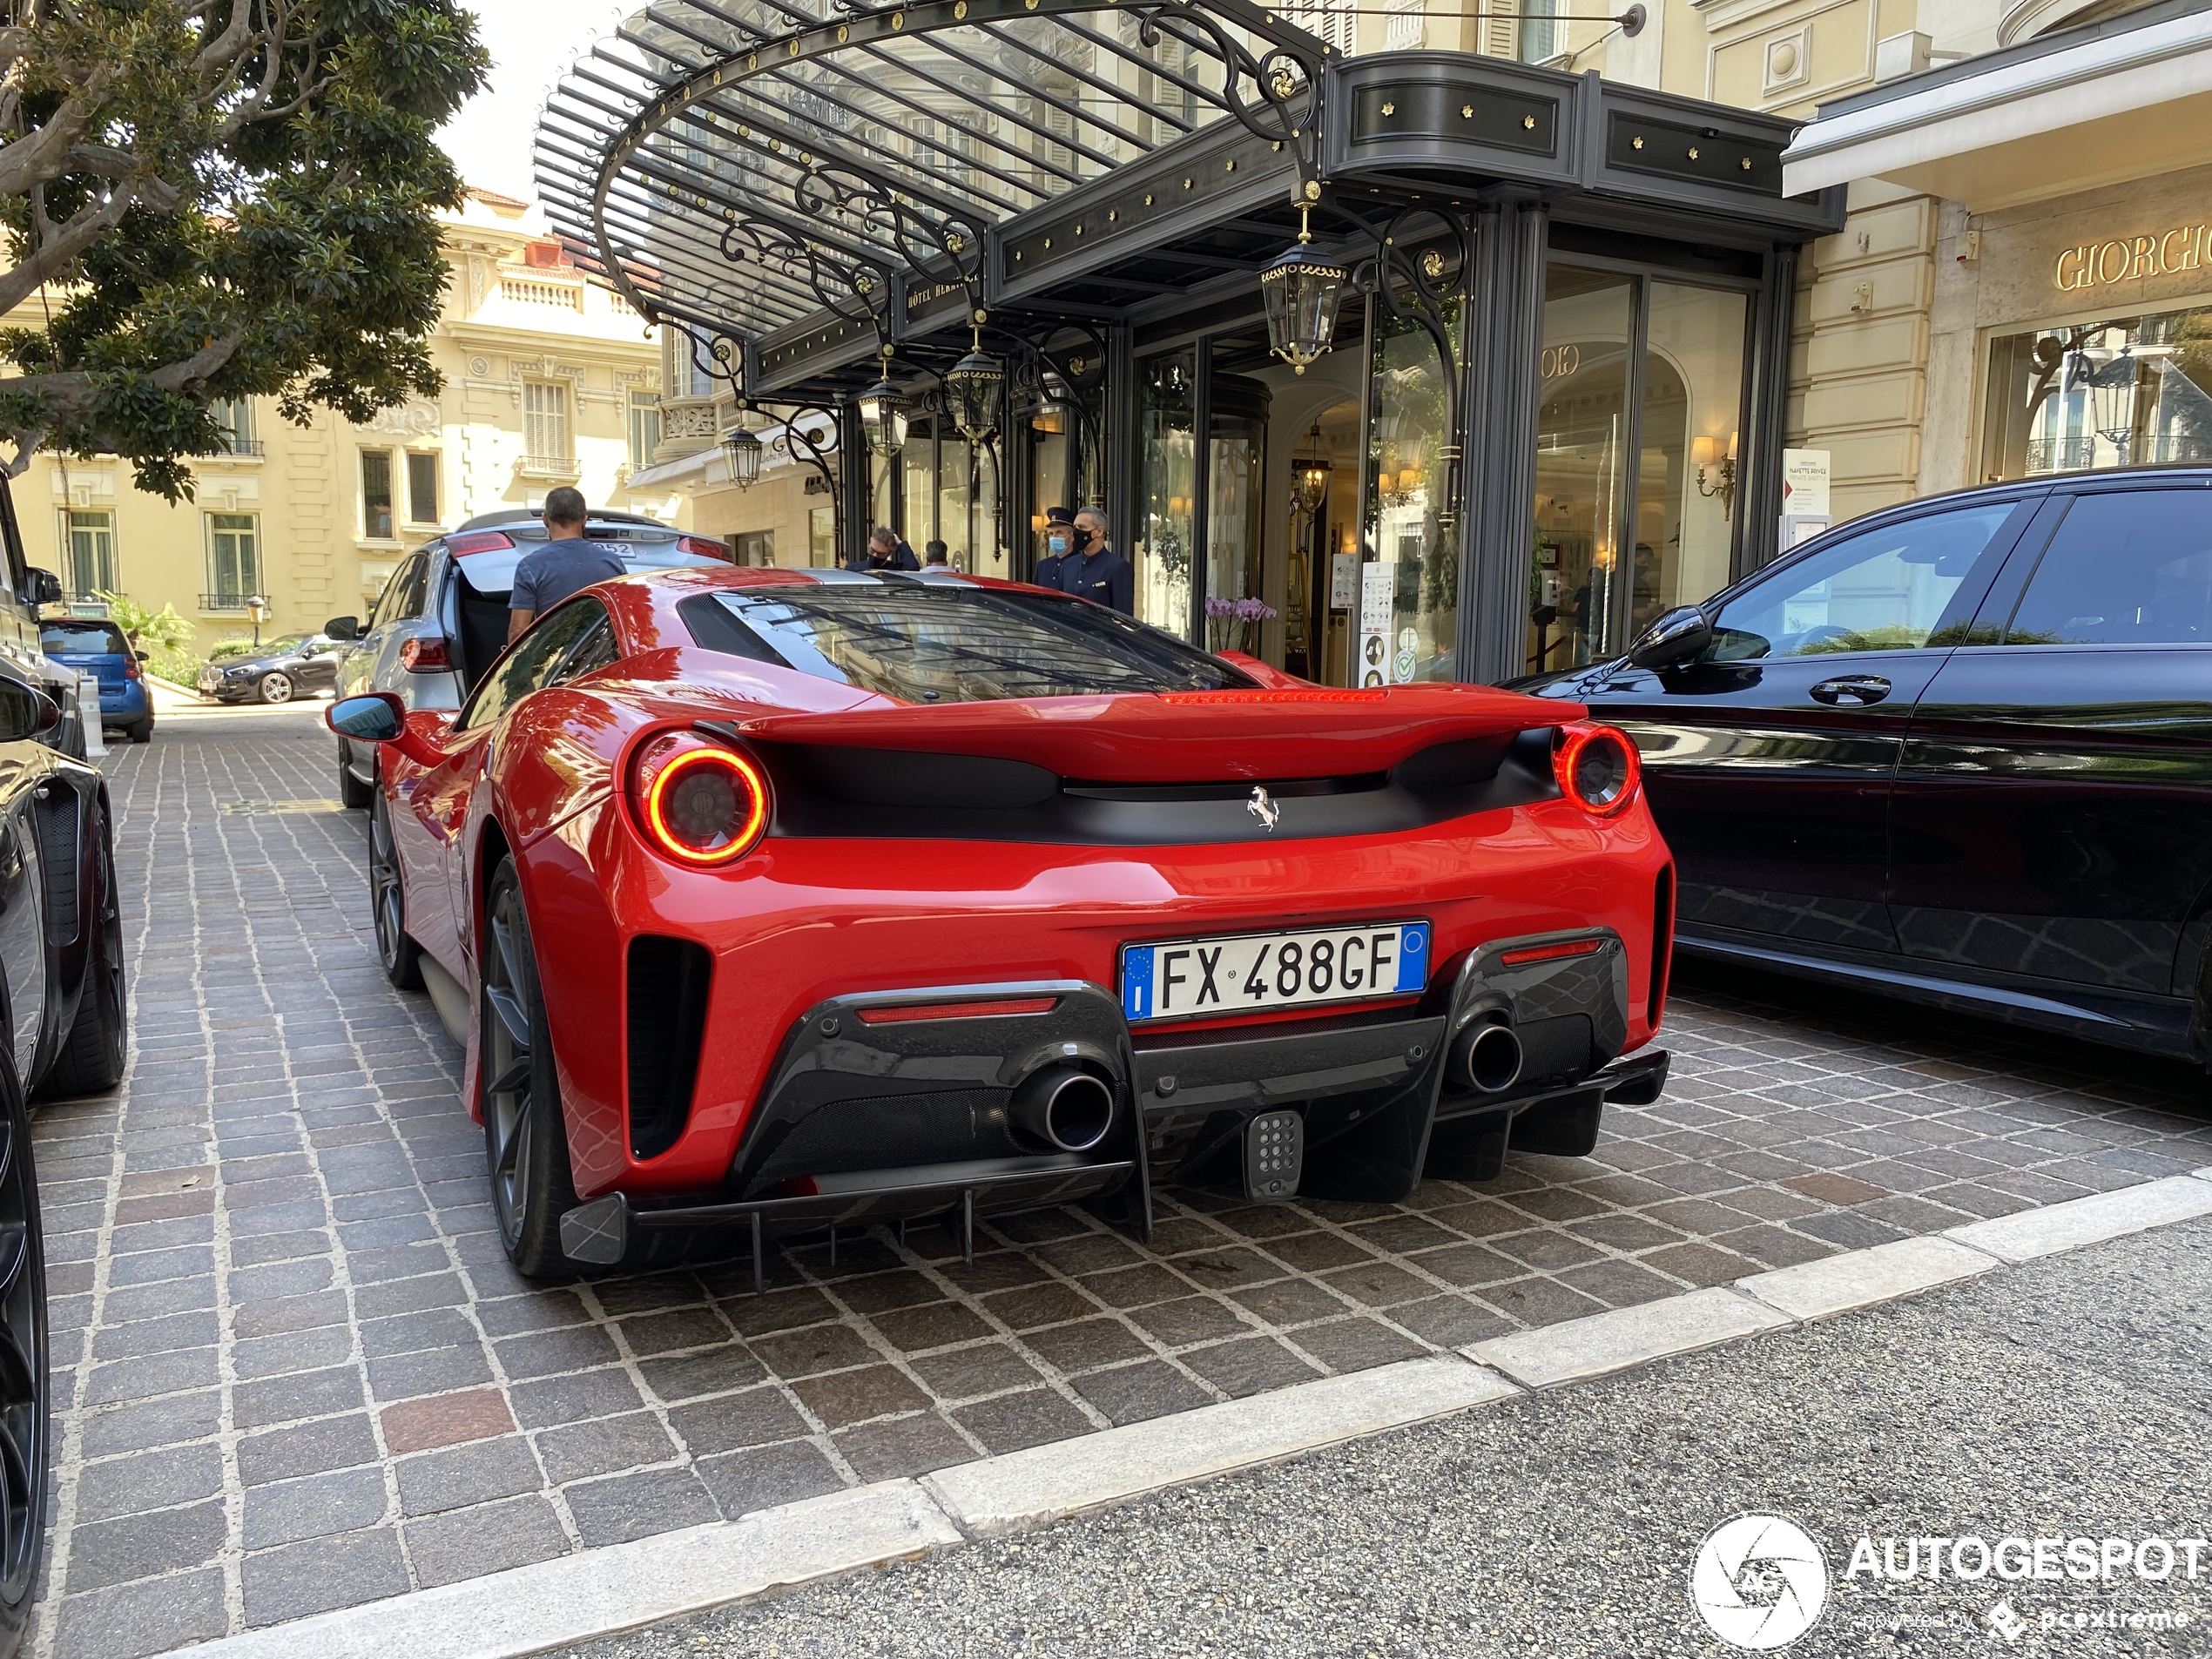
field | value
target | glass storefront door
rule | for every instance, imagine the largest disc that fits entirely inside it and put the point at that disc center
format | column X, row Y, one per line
column 1639, row 429
column 1236, row 470
column 1166, row 490
column 1581, row 464
column 1408, row 602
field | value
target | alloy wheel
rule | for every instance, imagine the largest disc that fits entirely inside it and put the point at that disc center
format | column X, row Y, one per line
column 508, row 993
column 276, row 688
column 23, row 1363
column 388, row 899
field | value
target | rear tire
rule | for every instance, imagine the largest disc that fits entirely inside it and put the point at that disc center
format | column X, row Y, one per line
column 399, row 955
column 140, row 731
column 92, row 1055
column 351, row 790
column 526, row 1140
column 24, row 1386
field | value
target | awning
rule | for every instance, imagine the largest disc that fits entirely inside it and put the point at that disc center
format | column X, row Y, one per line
column 761, row 167
column 2106, row 102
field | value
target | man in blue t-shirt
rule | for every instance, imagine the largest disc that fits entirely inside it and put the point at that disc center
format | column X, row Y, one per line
column 566, row 564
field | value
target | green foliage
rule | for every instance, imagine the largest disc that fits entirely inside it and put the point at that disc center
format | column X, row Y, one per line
column 225, row 651
column 149, row 630
column 178, row 667
column 234, row 201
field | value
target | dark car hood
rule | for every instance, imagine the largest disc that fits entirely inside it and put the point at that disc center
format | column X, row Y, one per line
column 1591, row 684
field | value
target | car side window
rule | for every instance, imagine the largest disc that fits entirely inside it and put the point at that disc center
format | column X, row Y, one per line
column 1895, row 588
column 598, row 649
column 414, row 587
column 533, row 662
column 2130, row 567
column 382, row 611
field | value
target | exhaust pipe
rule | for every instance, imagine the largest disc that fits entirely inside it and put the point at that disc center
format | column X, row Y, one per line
column 1065, row 1107
column 1488, row 1058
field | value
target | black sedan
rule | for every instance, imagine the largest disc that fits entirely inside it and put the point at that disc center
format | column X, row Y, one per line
column 62, row 998
column 299, row 665
column 1959, row 751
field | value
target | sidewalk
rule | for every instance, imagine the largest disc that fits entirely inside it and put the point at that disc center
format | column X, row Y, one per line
column 2059, row 1400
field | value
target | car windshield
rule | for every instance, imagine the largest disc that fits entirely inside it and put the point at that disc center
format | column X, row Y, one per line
column 87, row 638
column 931, row 643
column 282, row 647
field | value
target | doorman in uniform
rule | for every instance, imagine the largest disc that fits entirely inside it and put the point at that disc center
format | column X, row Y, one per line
column 1090, row 570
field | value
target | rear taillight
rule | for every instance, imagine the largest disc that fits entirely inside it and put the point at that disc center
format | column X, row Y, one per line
column 479, row 542
column 697, row 803
column 130, row 669
column 704, row 549
column 425, row 654
column 1597, row 768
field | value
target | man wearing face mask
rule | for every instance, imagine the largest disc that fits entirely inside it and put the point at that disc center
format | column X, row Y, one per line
column 1059, row 539
column 1090, row 570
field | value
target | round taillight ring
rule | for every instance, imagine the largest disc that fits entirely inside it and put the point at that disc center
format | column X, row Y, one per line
column 1597, row 767
column 704, row 805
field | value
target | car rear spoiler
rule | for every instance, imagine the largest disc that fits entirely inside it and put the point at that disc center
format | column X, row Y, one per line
column 1188, row 736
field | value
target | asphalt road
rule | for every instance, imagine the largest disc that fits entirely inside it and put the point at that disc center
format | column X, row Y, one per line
column 2069, row 1397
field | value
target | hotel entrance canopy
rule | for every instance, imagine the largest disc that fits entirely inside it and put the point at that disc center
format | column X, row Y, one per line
column 798, row 183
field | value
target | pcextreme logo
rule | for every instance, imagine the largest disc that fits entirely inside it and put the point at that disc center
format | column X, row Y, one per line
column 1758, row 1581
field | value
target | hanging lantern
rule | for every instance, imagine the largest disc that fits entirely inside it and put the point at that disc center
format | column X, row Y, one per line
column 1310, row 476
column 976, row 385
column 1301, row 288
column 1053, row 415
column 883, row 415
column 744, row 450
column 2109, row 380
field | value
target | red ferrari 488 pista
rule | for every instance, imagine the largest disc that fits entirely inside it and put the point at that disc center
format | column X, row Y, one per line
column 783, row 901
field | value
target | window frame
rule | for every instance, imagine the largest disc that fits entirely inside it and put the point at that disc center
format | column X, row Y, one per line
column 437, row 486
column 642, row 406
column 533, row 419
column 249, row 526
column 112, row 559
column 2001, row 605
column 368, row 531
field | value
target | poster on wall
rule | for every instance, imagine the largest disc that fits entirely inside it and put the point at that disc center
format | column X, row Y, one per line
column 1378, row 589
column 1805, row 496
column 1344, row 581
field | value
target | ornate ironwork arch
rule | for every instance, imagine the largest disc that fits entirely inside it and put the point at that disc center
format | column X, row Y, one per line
column 741, row 167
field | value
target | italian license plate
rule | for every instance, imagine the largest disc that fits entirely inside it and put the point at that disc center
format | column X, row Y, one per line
column 1188, row 978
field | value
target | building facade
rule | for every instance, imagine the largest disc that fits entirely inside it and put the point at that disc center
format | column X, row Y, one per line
column 550, row 380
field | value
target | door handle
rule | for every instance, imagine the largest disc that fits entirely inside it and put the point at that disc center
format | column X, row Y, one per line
column 1852, row 690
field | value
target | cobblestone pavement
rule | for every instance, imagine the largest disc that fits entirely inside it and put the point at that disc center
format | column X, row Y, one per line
column 295, row 1371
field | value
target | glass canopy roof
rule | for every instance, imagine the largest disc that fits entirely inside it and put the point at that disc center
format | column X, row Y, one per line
column 742, row 167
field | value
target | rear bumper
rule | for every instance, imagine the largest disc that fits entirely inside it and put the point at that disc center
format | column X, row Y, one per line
column 869, row 1118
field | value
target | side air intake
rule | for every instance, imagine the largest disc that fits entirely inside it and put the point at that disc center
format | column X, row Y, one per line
column 667, row 1023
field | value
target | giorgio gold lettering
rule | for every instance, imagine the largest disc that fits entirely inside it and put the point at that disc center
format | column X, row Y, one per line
column 2095, row 265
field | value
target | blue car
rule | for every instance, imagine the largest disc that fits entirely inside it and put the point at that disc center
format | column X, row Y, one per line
column 89, row 645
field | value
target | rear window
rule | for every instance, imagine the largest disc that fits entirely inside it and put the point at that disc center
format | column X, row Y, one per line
column 492, row 572
column 87, row 638
column 937, row 644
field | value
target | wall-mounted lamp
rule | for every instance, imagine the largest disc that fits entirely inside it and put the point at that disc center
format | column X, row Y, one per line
column 1706, row 453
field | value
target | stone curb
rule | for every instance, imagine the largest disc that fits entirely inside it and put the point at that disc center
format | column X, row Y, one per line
column 2034, row 1233
column 574, row 1598
column 1863, row 1277
column 1046, row 1482
column 1577, row 1350
column 552, row 1604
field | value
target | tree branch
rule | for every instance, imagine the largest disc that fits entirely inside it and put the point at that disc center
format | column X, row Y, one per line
column 42, row 153
column 59, row 246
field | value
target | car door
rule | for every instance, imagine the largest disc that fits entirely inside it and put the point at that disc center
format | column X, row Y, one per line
column 373, row 662
column 2053, row 814
column 23, row 929
column 1768, row 759
column 319, row 663
column 439, row 798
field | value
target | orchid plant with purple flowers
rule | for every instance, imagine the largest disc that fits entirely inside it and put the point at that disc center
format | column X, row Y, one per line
column 1231, row 623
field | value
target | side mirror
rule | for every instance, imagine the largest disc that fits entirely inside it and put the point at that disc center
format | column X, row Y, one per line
column 1675, row 638
column 381, row 716
column 25, row 711
column 343, row 629
column 45, row 587
column 374, row 716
